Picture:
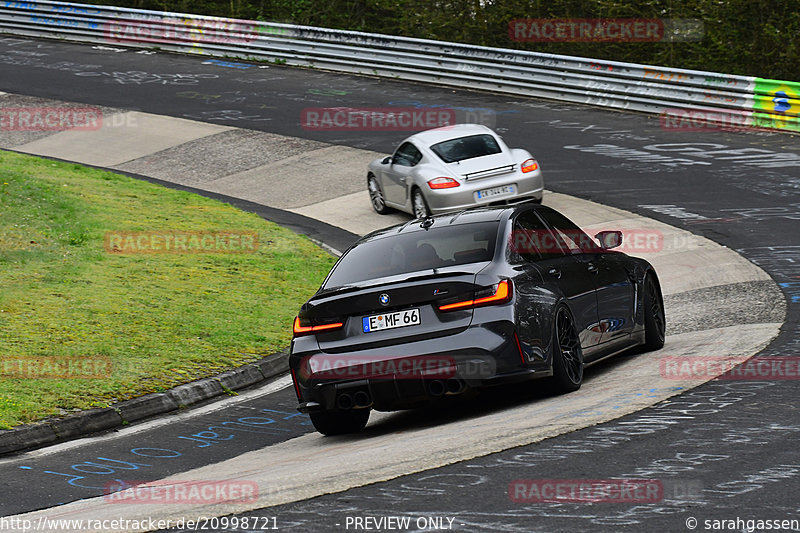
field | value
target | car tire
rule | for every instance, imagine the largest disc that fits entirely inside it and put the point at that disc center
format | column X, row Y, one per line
column 376, row 196
column 419, row 205
column 567, row 353
column 331, row 423
column 654, row 317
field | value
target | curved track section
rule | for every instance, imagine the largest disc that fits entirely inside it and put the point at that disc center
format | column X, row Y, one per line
column 688, row 265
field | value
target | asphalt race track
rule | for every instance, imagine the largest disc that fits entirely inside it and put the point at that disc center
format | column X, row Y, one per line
column 723, row 450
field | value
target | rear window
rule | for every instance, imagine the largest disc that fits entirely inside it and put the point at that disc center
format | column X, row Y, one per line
column 411, row 252
column 466, row 148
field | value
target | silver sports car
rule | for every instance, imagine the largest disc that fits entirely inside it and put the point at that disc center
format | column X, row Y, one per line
column 453, row 168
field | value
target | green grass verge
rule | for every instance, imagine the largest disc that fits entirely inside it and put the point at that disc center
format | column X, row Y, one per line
column 159, row 319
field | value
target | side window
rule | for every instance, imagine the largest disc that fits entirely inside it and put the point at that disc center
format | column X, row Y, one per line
column 407, row 155
column 532, row 240
column 572, row 238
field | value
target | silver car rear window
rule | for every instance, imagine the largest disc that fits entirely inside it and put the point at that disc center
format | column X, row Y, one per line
column 466, row 148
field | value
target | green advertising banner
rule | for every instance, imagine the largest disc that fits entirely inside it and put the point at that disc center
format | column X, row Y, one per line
column 776, row 104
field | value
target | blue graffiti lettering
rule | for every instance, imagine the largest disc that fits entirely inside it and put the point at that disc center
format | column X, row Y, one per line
column 206, row 438
column 229, row 64
column 63, row 22
column 21, row 5
column 136, row 451
column 225, row 431
column 74, row 480
column 793, row 290
column 74, row 9
column 110, row 470
column 306, row 421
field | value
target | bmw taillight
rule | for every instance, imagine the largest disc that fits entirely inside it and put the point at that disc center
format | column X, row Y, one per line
column 529, row 165
column 496, row 295
column 304, row 327
column 442, row 183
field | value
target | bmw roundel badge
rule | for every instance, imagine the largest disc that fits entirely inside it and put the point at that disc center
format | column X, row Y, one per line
column 384, row 299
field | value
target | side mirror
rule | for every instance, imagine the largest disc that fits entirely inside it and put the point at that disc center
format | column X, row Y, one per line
column 609, row 239
column 386, row 160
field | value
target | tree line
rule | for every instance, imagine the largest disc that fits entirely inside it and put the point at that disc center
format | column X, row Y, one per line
column 747, row 37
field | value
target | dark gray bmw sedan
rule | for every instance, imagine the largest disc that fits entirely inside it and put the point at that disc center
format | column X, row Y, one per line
column 446, row 304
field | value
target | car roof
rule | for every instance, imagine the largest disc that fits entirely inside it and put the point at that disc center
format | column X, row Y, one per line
column 468, row 216
column 445, row 133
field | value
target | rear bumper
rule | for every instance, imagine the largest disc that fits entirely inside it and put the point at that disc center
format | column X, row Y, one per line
column 528, row 187
column 390, row 395
column 409, row 375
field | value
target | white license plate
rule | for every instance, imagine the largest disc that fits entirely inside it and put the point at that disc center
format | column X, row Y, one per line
column 495, row 191
column 398, row 319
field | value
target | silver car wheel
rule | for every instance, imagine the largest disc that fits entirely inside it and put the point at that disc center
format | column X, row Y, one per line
column 420, row 207
column 376, row 196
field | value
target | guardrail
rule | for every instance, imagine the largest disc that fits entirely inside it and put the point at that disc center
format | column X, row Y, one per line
column 675, row 94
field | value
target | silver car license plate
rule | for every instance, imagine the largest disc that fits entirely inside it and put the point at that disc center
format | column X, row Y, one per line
column 398, row 319
column 495, row 191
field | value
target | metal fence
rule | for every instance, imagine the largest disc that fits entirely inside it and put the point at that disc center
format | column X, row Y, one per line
column 678, row 95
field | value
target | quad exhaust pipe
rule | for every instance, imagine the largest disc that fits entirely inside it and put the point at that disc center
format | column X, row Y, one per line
column 454, row 386
column 358, row 400
column 362, row 399
column 344, row 402
column 438, row 387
